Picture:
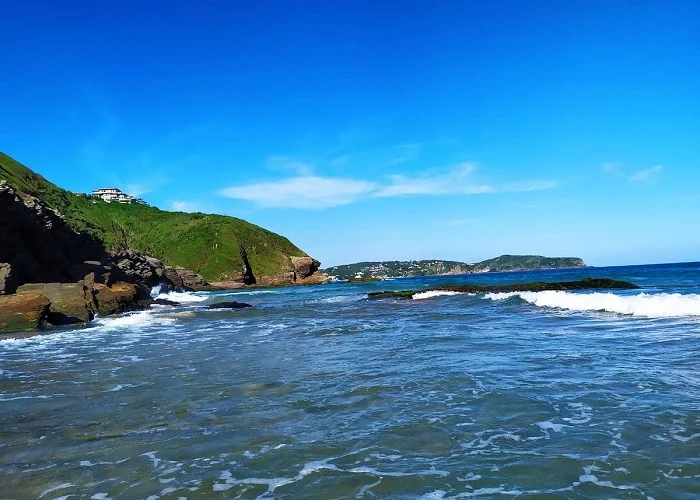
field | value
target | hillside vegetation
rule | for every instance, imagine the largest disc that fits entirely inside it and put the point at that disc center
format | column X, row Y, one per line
column 527, row 262
column 207, row 244
column 395, row 269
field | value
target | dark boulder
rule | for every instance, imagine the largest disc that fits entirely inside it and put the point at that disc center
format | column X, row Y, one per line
column 192, row 281
column 401, row 294
column 248, row 278
column 228, row 305
column 165, row 302
column 95, row 272
column 173, row 279
column 135, row 267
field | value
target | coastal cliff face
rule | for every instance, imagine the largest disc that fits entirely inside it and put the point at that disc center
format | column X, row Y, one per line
column 50, row 273
column 219, row 248
column 65, row 268
column 36, row 244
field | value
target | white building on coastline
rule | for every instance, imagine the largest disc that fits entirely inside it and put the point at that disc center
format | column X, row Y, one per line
column 113, row 194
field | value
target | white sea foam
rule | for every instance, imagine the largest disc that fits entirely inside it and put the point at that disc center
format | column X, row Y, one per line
column 182, row 297
column 339, row 299
column 662, row 305
column 133, row 320
column 246, row 292
column 433, row 293
column 55, row 488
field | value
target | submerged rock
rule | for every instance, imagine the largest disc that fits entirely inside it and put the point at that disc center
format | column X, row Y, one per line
column 165, row 302
column 23, row 311
column 540, row 286
column 363, row 279
column 401, row 294
column 228, row 305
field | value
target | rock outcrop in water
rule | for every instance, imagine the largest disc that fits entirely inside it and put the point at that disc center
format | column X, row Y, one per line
column 583, row 284
column 50, row 273
column 23, row 311
column 229, row 305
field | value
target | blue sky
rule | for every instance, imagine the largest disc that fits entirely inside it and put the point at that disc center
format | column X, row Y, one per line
column 376, row 130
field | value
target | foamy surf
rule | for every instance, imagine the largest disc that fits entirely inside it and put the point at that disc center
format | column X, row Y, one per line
column 134, row 320
column 433, row 293
column 182, row 297
column 663, row 305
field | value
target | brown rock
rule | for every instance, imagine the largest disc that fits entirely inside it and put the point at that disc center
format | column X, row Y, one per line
column 117, row 298
column 70, row 302
column 304, row 266
column 23, row 311
column 316, row 278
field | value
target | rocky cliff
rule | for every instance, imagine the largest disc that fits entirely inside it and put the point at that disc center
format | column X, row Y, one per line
column 50, row 273
column 65, row 268
column 220, row 248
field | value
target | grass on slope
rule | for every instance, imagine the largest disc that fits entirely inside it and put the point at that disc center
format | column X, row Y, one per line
column 204, row 243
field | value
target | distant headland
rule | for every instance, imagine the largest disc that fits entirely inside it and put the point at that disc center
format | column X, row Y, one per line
column 397, row 269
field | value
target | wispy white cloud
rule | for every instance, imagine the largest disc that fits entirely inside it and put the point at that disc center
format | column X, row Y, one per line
column 311, row 192
column 317, row 192
column 185, row 206
column 646, row 174
column 457, row 180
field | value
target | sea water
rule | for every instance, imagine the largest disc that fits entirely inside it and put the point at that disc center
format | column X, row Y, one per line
column 317, row 392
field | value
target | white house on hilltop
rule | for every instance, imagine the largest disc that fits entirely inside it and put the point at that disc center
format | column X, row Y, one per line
column 113, row 194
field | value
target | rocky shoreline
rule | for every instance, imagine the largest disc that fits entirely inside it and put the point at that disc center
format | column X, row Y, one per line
column 51, row 274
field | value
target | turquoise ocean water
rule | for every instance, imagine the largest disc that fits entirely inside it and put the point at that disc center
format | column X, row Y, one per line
column 316, row 392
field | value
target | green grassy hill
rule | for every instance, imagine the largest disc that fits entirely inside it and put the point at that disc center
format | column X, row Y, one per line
column 204, row 243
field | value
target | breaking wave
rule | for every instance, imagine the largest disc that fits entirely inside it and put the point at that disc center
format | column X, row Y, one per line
column 133, row 320
column 182, row 297
column 433, row 293
column 662, row 305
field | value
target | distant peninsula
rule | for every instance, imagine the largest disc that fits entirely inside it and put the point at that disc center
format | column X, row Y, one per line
column 397, row 269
